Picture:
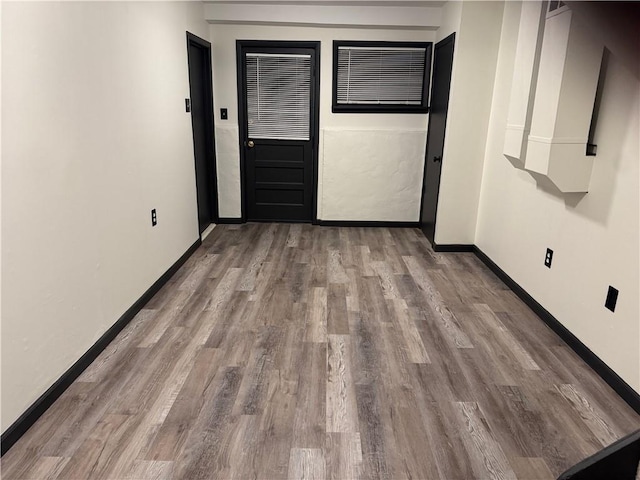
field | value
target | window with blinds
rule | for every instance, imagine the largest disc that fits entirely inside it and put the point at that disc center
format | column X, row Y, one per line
column 381, row 76
column 278, row 96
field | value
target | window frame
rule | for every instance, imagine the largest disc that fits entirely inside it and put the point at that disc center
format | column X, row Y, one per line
column 386, row 108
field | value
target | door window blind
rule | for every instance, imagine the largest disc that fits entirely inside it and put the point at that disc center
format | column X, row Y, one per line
column 380, row 75
column 278, row 96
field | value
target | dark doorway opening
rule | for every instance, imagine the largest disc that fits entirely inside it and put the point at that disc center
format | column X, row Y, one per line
column 278, row 106
column 440, row 86
column 201, row 91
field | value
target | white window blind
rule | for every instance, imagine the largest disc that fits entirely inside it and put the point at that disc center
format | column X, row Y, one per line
column 278, row 96
column 380, row 75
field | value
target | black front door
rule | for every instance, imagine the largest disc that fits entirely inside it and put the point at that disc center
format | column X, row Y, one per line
column 278, row 116
column 200, row 87
column 441, row 83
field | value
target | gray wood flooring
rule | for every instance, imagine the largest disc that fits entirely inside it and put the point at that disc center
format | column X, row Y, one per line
column 294, row 351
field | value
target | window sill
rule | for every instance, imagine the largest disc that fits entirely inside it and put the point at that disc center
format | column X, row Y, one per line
column 378, row 109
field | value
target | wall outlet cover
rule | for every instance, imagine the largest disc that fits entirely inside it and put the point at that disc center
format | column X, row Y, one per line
column 548, row 258
column 612, row 298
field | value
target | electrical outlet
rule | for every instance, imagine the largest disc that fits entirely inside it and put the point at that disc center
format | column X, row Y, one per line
column 612, row 298
column 154, row 218
column 548, row 258
column 224, row 114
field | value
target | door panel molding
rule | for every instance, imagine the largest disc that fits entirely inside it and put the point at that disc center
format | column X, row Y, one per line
column 267, row 46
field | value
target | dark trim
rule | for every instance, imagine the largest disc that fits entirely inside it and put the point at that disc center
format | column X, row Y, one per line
column 242, row 45
column 316, row 134
column 35, row 411
column 453, row 248
column 622, row 388
column 618, row 460
column 276, row 220
column 229, row 220
column 210, row 131
column 398, row 108
column 366, row 223
column 242, row 134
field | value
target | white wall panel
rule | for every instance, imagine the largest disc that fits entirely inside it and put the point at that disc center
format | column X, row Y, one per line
column 371, row 174
column 228, row 164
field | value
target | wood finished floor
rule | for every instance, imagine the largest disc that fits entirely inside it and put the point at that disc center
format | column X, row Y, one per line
column 293, row 351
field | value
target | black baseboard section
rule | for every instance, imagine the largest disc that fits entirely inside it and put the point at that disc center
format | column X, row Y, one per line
column 622, row 388
column 229, row 221
column 453, row 248
column 366, row 223
column 35, row 411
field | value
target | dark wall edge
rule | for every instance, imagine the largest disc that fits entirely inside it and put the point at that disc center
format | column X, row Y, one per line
column 366, row 223
column 35, row 411
column 229, row 220
column 622, row 388
column 453, row 248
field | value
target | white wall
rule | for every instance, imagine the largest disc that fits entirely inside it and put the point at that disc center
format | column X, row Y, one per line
column 450, row 19
column 594, row 236
column 383, row 154
column 475, row 54
column 94, row 136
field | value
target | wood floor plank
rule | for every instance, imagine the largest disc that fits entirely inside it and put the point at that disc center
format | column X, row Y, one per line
column 337, row 316
column 336, row 272
column 296, row 351
column 531, row 468
column 252, row 393
column 275, row 436
column 250, row 274
column 485, row 453
column 310, row 419
column 316, row 325
column 372, row 433
column 47, row 468
column 343, row 453
column 342, row 411
column 172, row 434
column 150, row 470
column 307, row 463
column 595, row 420
column 505, row 336
column 94, row 455
column 434, row 300
column 243, row 448
column 439, row 419
column 415, row 347
column 204, row 452
column 110, row 356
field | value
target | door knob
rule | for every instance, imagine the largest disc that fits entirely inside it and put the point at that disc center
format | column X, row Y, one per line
column 250, row 144
column 437, row 158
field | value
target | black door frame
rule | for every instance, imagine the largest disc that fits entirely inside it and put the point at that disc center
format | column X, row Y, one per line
column 241, row 46
column 209, row 118
column 449, row 39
